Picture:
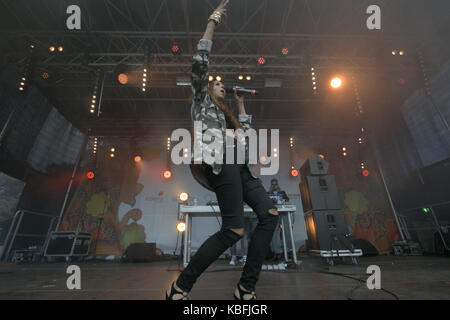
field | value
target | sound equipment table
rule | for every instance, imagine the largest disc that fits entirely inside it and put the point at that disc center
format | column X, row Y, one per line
column 186, row 213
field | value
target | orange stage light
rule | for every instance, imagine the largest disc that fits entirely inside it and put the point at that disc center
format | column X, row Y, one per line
column 294, row 172
column 122, row 78
column 167, row 174
column 90, row 175
column 336, row 82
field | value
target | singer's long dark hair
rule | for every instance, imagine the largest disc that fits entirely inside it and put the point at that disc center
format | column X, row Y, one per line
column 223, row 107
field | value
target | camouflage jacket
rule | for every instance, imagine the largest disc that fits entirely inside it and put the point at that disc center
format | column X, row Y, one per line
column 203, row 109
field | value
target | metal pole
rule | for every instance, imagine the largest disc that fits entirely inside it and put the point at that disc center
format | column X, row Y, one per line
column 283, row 237
column 389, row 196
column 61, row 213
column 101, row 94
column 2, row 134
column 186, row 258
column 439, row 228
column 9, row 232
column 294, row 253
column 14, row 235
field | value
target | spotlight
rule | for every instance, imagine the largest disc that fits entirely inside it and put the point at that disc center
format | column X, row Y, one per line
column 261, row 60
column 294, row 172
column 60, row 48
column 176, row 49
column 137, row 159
column 248, row 78
column 344, row 149
column 183, row 196
column 122, row 74
column 210, row 78
column 122, row 78
column 241, row 77
column 219, row 78
column 112, row 155
column 365, row 173
column 394, row 52
column 321, row 156
column 167, row 174
column 52, row 49
column 284, row 51
column 90, row 175
column 401, row 52
column 181, row 226
column 336, row 82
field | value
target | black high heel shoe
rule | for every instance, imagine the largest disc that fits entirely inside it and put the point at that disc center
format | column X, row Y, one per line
column 182, row 295
column 242, row 294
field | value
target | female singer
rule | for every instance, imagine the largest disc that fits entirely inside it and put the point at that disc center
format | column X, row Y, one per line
column 232, row 183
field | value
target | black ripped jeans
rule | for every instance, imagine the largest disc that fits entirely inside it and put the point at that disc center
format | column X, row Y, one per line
column 234, row 186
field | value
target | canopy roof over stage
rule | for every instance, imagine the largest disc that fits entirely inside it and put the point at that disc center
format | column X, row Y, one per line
column 329, row 35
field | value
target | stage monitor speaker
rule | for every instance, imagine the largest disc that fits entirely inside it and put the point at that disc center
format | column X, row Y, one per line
column 367, row 248
column 140, row 252
column 314, row 166
column 326, row 230
column 68, row 243
column 319, row 193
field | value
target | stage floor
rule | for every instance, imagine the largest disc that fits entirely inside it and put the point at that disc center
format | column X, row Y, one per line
column 413, row 277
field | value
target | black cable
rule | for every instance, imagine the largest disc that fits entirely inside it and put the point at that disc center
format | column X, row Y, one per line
column 217, row 218
column 360, row 280
column 176, row 245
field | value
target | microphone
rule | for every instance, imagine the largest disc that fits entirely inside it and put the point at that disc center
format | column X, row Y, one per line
column 242, row 91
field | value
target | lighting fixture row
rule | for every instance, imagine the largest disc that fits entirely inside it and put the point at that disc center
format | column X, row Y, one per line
column 94, row 146
column 425, row 77
column 95, row 93
column 144, row 80
column 24, row 80
column 314, row 80
column 357, row 96
column 240, row 77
